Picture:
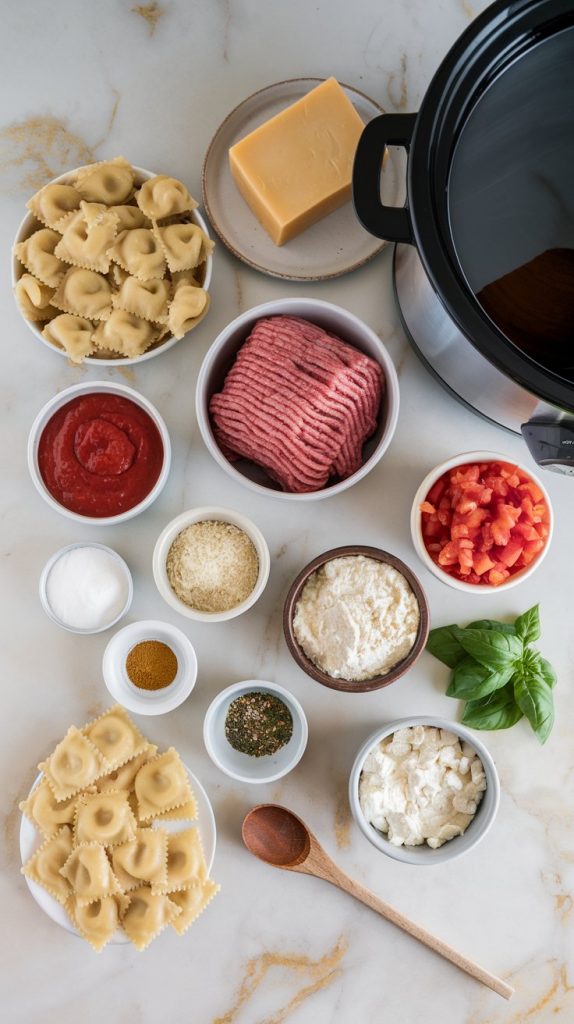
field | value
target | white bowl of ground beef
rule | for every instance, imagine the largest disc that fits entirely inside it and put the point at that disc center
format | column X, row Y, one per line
column 227, row 565
column 335, row 320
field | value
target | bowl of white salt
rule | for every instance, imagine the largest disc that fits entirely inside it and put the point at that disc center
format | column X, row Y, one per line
column 211, row 564
column 86, row 588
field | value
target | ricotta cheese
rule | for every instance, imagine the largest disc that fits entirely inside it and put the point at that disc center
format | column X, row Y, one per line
column 356, row 617
column 421, row 785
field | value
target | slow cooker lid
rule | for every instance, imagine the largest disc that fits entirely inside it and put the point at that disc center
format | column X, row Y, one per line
column 490, row 175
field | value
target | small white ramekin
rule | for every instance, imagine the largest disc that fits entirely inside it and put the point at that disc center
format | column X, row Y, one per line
column 333, row 318
column 43, row 587
column 478, row 827
column 197, row 515
column 243, row 767
column 62, row 398
column 149, row 702
column 29, row 225
column 416, row 527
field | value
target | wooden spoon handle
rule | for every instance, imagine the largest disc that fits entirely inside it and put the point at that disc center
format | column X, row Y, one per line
column 385, row 910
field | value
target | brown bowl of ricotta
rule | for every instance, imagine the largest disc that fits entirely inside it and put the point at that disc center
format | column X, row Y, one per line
column 356, row 618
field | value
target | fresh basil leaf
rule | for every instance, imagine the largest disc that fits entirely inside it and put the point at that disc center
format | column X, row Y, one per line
column 528, row 625
column 499, row 627
column 444, row 643
column 470, row 681
column 548, row 673
column 534, row 697
column 498, row 711
column 492, row 649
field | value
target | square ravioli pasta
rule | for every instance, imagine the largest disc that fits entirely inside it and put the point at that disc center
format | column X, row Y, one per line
column 143, row 859
column 123, row 778
column 105, row 818
column 185, row 862
column 89, row 873
column 75, row 764
column 116, row 736
column 147, row 915
column 162, row 785
column 97, row 921
column 104, row 868
column 47, row 813
column 192, row 902
column 45, row 865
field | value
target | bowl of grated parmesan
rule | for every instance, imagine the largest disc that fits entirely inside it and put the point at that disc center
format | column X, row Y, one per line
column 211, row 564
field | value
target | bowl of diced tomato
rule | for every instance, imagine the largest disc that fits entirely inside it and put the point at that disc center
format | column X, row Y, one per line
column 480, row 521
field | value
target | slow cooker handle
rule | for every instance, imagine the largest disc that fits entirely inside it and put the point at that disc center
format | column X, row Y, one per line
column 390, row 222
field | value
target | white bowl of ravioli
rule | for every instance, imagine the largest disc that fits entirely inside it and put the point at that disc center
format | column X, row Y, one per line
column 112, row 264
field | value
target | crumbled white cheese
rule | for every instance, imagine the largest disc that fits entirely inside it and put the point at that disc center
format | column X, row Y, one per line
column 421, row 785
column 356, row 617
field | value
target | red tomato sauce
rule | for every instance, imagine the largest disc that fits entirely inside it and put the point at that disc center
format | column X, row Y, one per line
column 484, row 522
column 100, row 455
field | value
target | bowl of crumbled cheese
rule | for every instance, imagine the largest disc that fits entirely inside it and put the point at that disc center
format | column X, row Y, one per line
column 211, row 564
column 356, row 618
column 424, row 790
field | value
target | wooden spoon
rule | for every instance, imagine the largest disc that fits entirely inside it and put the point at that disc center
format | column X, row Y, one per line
column 279, row 837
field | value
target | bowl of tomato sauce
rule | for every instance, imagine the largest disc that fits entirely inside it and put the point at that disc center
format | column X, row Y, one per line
column 99, row 453
column 481, row 521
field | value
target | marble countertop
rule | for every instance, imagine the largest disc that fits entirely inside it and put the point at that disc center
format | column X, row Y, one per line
column 88, row 80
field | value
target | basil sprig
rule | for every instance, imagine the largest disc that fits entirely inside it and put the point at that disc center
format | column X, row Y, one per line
column 496, row 671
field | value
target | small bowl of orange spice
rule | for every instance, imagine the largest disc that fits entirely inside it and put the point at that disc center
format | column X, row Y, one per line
column 150, row 667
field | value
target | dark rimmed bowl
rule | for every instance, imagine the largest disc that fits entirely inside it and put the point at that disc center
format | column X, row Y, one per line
column 347, row 685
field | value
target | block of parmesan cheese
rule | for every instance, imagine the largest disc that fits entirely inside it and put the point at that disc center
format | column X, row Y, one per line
column 297, row 167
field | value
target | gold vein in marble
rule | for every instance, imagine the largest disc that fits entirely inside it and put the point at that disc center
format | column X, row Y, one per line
column 38, row 149
column 151, row 13
column 34, row 151
column 320, row 974
column 343, row 819
column 544, row 992
column 563, row 901
column 397, row 85
column 11, row 823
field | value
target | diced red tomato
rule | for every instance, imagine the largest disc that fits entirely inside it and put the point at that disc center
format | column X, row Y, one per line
column 511, row 551
column 483, row 522
column 482, row 562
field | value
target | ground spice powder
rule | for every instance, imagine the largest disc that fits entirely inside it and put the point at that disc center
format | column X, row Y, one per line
column 151, row 665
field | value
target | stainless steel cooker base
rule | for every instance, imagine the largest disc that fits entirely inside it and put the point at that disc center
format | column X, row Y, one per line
column 452, row 357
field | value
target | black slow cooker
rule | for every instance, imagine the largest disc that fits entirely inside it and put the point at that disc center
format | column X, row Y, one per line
column 484, row 265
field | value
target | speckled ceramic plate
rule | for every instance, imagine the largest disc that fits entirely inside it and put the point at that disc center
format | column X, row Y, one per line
column 31, row 840
column 333, row 246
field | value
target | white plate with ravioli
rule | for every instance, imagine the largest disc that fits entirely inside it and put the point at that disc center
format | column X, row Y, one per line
column 31, row 840
column 334, row 245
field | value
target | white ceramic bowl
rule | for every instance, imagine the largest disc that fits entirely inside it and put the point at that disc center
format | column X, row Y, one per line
column 333, row 318
column 478, row 827
column 88, row 388
column 43, row 585
column 29, row 225
column 120, row 686
column 416, row 528
column 197, row 515
column 243, row 767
